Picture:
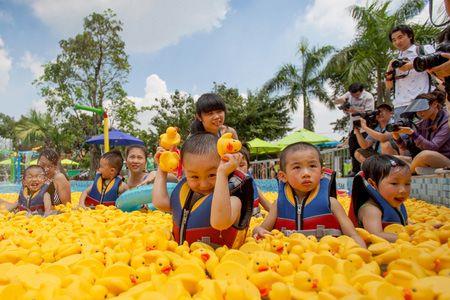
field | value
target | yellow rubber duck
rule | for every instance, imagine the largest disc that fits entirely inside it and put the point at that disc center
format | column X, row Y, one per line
column 227, row 145
column 169, row 161
column 170, row 138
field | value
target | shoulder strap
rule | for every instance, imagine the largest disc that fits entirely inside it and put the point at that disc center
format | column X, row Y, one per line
column 420, row 50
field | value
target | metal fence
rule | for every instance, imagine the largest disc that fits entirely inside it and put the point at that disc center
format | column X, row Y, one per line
column 334, row 159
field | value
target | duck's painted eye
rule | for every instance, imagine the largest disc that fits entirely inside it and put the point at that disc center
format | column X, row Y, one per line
column 257, row 263
column 160, row 265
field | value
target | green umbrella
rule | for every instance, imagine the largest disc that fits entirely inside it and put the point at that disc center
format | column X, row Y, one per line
column 7, row 162
column 258, row 147
column 303, row 135
column 68, row 162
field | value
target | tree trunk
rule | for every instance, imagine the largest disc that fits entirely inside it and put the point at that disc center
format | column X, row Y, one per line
column 94, row 150
column 307, row 114
column 382, row 95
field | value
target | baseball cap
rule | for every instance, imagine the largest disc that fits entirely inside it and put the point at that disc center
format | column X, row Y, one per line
column 416, row 105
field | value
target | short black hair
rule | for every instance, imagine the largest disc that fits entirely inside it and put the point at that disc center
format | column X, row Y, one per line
column 201, row 143
column 131, row 147
column 378, row 167
column 246, row 154
column 51, row 155
column 115, row 159
column 355, row 87
column 206, row 103
column 29, row 168
column 404, row 29
column 300, row 146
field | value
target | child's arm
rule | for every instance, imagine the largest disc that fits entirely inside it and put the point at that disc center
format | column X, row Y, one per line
column 263, row 201
column 47, row 204
column 371, row 216
column 268, row 223
column 5, row 205
column 83, row 196
column 225, row 209
column 160, row 196
column 344, row 221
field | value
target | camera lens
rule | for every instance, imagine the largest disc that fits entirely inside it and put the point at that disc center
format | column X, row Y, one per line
column 422, row 63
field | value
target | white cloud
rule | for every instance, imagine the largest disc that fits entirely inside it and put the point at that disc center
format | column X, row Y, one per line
column 33, row 63
column 149, row 25
column 5, row 66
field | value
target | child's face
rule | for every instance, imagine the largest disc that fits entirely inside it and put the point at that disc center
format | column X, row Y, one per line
column 34, row 179
column 136, row 160
column 107, row 171
column 243, row 166
column 213, row 120
column 200, row 171
column 303, row 170
column 396, row 187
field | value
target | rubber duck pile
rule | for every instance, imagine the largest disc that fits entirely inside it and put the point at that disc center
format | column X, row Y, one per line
column 105, row 253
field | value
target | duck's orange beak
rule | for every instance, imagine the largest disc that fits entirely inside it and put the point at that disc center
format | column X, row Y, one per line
column 315, row 283
column 205, row 257
column 263, row 268
column 166, row 270
column 407, row 294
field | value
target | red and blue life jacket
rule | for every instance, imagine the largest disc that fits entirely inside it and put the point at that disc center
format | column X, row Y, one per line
column 362, row 191
column 310, row 213
column 193, row 224
column 34, row 202
column 101, row 194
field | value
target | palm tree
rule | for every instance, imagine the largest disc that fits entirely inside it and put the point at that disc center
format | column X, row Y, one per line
column 301, row 83
column 36, row 129
column 365, row 60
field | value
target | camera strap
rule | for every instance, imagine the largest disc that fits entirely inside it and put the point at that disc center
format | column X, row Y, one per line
column 420, row 50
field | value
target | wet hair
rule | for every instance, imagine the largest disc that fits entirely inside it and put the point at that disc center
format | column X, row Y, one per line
column 300, row 146
column 29, row 168
column 201, row 143
column 206, row 103
column 355, row 87
column 141, row 147
column 246, row 155
column 404, row 29
column 114, row 159
column 378, row 167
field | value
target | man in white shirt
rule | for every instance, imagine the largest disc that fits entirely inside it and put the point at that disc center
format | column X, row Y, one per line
column 358, row 100
column 407, row 82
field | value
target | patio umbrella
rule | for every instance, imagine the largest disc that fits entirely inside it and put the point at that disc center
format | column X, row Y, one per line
column 303, row 135
column 116, row 138
column 258, row 147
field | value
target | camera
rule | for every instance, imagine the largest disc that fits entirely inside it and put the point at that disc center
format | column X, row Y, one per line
column 369, row 116
column 424, row 62
column 401, row 123
column 399, row 62
column 346, row 105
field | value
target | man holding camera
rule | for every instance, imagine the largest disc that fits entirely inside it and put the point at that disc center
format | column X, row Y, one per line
column 401, row 76
column 378, row 139
column 356, row 100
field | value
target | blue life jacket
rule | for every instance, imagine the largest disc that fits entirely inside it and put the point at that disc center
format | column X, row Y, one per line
column 33, row 202
column 362, row 191
column 193, row 224
column 100, row 194
column 295, row 215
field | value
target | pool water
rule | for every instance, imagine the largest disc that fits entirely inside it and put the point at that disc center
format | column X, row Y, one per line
column 265, row 185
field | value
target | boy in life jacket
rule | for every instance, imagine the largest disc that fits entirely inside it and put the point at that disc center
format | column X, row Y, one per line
column 306, row 198
column 378, row 193
column 258, row 197
column 213, row 202
column 108, row 184
column 33, row 196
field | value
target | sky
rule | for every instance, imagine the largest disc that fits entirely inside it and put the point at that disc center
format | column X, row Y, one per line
column 173, row 45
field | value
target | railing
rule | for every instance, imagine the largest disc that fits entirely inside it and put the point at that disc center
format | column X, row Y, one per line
column 334, row 159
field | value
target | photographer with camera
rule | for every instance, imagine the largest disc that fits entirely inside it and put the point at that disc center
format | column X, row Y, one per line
column 431, row 135
column 406, row 82
column 356, row 100
column 378, row 140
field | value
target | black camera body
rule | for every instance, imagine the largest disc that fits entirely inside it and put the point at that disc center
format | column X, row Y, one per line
column 346, row 105
column 369, row 116
column 401, row 123
column 397, row 63
column 424, row 62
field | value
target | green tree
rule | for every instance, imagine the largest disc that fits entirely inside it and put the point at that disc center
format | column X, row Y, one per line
column 91, row 68
column 36, row 129
column 304, row 82
column 7, row 128
column 366, row 58
column 257, row 115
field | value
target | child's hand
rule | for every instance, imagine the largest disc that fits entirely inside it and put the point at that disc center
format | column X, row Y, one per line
column 229, row 163
column 158, row 152
column 260, row 232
